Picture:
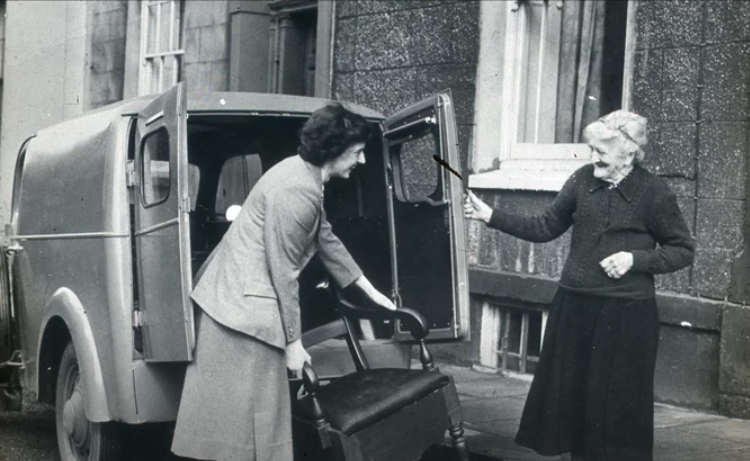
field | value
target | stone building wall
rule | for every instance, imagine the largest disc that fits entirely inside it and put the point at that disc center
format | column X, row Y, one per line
column 206, row 63
column 692, row 81
column 106, row 30
column 390, row 54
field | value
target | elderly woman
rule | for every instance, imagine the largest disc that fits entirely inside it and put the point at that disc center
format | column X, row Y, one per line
column 235, row 402
column 592, row 393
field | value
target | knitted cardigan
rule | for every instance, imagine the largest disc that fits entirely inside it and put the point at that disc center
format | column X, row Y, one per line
column 635, row 216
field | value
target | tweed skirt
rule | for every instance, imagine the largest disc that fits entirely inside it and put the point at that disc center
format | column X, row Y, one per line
column 593, row 390
column 235, row 402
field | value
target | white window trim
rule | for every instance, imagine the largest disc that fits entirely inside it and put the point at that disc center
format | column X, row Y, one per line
column 145, row 79
column 500, row 162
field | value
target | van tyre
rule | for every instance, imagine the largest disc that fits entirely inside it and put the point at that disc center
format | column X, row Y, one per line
column 78, row 438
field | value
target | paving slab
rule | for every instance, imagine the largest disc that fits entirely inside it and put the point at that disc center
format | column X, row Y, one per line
column 483, row 410
column 492, row 404
column 670, row 416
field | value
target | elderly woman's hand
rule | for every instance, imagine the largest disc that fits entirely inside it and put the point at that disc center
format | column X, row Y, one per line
column 475, row 208
column 618, row 264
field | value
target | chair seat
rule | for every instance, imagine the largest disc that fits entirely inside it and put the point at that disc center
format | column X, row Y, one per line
column 357, row 400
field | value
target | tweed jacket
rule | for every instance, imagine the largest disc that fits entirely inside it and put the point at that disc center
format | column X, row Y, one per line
column 250, row 282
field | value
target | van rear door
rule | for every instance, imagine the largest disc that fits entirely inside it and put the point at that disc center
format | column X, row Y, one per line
column 162, row 232
column 426, row 216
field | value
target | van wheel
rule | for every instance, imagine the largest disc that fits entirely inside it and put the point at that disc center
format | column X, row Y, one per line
column 78, row 438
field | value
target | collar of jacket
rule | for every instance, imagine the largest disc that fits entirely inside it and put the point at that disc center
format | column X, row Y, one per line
column 627, row 187
column 316, row 172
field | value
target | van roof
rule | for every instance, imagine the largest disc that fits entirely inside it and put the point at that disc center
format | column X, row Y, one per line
column 214, row 103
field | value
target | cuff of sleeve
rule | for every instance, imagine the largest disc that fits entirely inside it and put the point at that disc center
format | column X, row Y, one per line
column 346, row 279
column 640, row 260
column 496, row 219
column 292, row 334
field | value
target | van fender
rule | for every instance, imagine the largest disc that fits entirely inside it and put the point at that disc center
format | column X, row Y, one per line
column 64, row 304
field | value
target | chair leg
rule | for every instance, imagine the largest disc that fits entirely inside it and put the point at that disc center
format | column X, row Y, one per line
column 456, row 421
column 456, row 431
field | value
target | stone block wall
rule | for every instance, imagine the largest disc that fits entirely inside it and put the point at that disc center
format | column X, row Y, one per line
column 106, row 73
column 206, row 59
column 691, row 81
column 390, row 54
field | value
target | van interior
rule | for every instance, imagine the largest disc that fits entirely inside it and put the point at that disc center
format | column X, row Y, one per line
column 226, row 157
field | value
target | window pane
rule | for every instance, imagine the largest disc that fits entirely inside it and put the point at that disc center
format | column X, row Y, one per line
column 156, row 172
column 238, row 176
column 571, row 57
column 418, row 168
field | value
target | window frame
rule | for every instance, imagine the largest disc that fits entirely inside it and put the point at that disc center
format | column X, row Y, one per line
column 499, row 161
column 148, row 182
column 147, row 84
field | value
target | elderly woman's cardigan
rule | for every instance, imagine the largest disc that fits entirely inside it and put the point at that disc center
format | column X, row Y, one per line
column 635, row 216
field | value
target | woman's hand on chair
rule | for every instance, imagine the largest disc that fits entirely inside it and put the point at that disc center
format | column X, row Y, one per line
column 296, row 356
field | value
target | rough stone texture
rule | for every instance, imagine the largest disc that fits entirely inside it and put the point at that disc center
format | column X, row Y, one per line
column 677, row 282
column 735, row 406
column 390, row 40
column 647, row 83
column 723, row 160
column 687, row 368
column 719, row 224
column 459, row 78
column 680, row 95
column 107, row 53
column 678, row 22
column 712, row 273
column 346, row 9
column 346, row 44
column 683, row 188
column 728, row 22
column 727, row 81
column 734, row 376
column 387, row 91
column 672, row 149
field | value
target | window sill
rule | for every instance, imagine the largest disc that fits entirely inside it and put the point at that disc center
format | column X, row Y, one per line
column 535, row 175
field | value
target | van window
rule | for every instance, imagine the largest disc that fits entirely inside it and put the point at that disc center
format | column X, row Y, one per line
column 155, row 167
column 238, row 176
column 419, row 171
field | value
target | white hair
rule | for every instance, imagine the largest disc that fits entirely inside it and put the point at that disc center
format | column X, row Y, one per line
column 630, row 126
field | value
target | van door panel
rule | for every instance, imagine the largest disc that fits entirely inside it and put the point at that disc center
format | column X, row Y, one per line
column 425, row 213
column 162, row 232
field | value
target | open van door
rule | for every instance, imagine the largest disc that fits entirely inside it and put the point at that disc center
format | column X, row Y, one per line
column 162, row 232
column 426, row 217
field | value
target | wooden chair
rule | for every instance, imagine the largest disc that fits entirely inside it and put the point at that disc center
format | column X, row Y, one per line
column 386, row 414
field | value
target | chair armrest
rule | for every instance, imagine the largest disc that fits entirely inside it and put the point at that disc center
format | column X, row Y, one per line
column 413, row 320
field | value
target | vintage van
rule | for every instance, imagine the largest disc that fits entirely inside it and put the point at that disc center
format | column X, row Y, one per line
column 114, row 212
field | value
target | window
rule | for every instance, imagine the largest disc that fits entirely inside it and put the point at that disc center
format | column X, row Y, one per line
column 238, row 176
column 554, row 67
column 161, row 45
column 155, row 167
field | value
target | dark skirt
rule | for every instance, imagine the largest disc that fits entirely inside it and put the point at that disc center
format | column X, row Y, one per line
column 593, row 389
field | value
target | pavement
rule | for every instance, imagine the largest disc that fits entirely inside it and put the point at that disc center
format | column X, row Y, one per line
column 492, row 403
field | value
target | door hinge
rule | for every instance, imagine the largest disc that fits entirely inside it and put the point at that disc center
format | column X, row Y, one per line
column 130, row 174
column 185, row 205
column 137, row 319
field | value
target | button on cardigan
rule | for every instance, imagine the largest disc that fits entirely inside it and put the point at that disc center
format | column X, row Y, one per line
column 640, row 216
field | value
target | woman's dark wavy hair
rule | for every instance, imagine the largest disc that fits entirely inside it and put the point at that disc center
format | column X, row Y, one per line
column 329, row 131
